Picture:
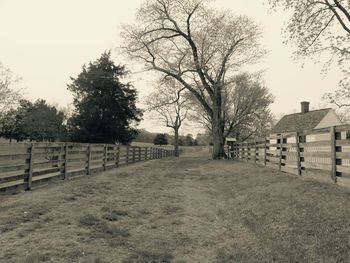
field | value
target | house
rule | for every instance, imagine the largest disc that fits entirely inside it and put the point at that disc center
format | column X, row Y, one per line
column 307, row 120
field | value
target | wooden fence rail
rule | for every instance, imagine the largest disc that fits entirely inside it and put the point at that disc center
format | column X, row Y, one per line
column 27, row 165
column 323, row 154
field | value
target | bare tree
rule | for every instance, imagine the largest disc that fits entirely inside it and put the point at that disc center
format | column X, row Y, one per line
column 341, row 97
column 246, row 111
column 171, row 106
column 318, row 27
column 9, row 94
column 196, row 45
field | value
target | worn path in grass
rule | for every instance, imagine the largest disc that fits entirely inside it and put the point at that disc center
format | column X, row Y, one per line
column 190, row 209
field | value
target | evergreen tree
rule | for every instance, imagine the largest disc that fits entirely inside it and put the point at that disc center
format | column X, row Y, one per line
column 105, row 108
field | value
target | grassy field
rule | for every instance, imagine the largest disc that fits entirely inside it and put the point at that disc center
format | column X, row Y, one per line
column 190, row 209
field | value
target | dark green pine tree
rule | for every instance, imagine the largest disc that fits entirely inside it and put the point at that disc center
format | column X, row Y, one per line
column 105, row 108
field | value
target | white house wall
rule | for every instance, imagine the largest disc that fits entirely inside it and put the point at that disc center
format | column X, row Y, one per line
column 331, row 119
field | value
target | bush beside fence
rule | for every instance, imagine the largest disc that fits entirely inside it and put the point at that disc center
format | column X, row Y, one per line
column 24, row 166
column 322, row 154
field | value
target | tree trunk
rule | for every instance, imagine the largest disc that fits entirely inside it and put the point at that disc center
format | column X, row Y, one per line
column 218, row 136
column 176, row 141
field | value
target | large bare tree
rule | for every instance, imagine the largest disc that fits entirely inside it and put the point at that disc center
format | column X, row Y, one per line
column 171, row 104
column 246, row 111
column 322, row 27
column 199, row 46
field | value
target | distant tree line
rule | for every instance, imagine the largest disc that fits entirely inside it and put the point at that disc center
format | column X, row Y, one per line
column 36, row 121
column 104, row 109
column 184, row 140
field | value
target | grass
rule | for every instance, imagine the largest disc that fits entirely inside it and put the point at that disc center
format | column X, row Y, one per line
column 148, row 256
column 190, row 209
column 100, row 229
column 115, row 215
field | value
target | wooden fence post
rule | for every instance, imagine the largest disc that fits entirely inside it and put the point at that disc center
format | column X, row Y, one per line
column 247, row 152
column 65, row 161
column 104, row 157
column 265, row 151
column 146, row 153
column 140, row 154
column 239, row 150
column 255, row 150
column 88, row 159
column 333, row 154
column 280, row 160
column 133, row 154
column 117, row 155
column 267, row 139
column 298, row 153
column 243, row 151
column 127, row 154
column 30, row 169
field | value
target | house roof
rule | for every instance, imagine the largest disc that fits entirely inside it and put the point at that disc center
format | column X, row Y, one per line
column 300, row 121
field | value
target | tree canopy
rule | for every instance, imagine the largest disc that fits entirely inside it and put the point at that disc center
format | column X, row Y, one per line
column 36, row 121
column 318, row 25
column 105, row 108
column 9, row 94
column 322, row 27
column 246, row 112
column 160, row 139
column 170, row 105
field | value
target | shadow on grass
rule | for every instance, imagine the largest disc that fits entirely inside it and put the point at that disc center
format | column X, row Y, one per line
column 171, row 210
column 142, row 256
column 115, row 215
column 33, row 214
column 100, row 229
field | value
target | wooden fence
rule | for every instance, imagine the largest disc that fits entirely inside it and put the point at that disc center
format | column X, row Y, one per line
column 322, row 154
column 24, row 166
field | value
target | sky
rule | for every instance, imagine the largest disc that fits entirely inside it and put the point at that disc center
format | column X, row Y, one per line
column 48, row 41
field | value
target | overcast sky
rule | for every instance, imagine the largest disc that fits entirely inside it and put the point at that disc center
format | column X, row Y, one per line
column 47, row 41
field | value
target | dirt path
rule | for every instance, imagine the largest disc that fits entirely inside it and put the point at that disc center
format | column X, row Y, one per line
column 190, row 209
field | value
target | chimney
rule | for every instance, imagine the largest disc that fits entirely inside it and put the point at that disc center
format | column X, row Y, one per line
column 305, row 106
